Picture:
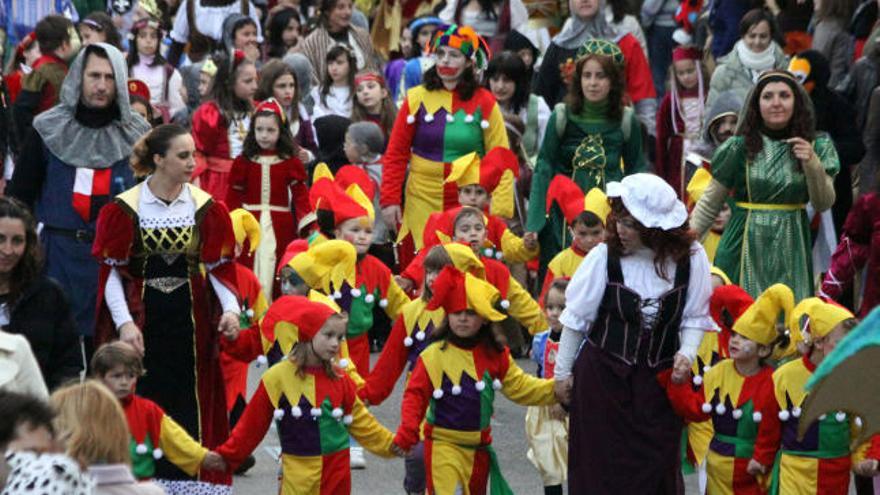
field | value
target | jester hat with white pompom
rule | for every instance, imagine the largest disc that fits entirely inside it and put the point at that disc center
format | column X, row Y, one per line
column 456, row 291
column 497, row 169
column 566, row 194
column 347, row 197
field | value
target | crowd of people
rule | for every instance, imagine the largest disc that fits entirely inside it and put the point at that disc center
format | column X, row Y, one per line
column 648, row 221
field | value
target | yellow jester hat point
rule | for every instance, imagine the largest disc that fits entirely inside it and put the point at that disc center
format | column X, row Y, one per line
column 464, row 259
column 329, row 263
column 821, row 318
column 758, row 322
column 245, row 226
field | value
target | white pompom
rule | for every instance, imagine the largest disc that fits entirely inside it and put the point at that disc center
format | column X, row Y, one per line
column 343, row 363
column 840, row 417
column 707, row 408
column 355, row 292
column 429, row 117
column 410, row 119
column 480, row 386
column 484, row 124
column 262, row 361
column 337, row 295
column 369, row 298
column 450, row 118
column 757, row 417
column 316, row 412
column 141, row 449
column 438, row 393
column 496, row 384
column 487, row 252
column 337, row 413
column 420, row 335
column 408, row 341
column 858, row 421
column 706, row 369
column 468, row 118
column 278, row 414
column 822, row 417
column 737, row 413
column 720, row 409
column 784, row 415
column 456, row 390
column 796, row 411
column 157, row 453
column 249, row 313
column 383, row 303
column 505, row 304
column 296, row 411
column 348, row 419
column 498, row 255
column 698, row 380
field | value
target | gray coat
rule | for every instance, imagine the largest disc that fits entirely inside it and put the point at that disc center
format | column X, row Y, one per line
column 732, row 75
column 833, row 40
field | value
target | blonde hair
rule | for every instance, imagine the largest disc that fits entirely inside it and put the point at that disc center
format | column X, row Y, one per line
column 92, row 424
column 301, row 350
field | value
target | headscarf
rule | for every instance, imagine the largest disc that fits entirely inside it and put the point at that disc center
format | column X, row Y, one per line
column 230, row 25
column 576, row 30
column 87, row 147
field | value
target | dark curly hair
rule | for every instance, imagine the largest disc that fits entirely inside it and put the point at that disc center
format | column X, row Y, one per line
column 30, row 265
column 673, row 244
column 616, row 73
column 802, row 123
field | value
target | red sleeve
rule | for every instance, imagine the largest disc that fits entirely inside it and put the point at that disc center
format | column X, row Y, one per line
column 770, row 427
column 249, row 431
column 237, row 182
column 247, row 347
column 299, row 191
column 639, row 84
column 874, row 450
column 209, row 130
column 114, row 235
column 412, row 410
column 218, row 245
column 396, row 158
column 664, row 134
column 388, row 368
column 686, row 402
column 415, row 271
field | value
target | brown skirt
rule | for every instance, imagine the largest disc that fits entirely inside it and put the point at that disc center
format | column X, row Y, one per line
column 624, row 436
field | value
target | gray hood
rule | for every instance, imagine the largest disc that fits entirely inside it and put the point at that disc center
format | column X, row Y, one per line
column 229, row 29
column 81, row 146
column 727, row 102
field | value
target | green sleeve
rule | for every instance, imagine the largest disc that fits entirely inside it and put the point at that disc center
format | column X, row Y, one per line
column 827, row 153
column 728, row 161
column 633, row 158
column 545, row 169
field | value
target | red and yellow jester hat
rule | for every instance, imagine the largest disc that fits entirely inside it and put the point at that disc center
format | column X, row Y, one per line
column 456, row 291
column 814, row 318
column 497, row 170
column 350, row 174
column 726, row 305
column 298, row 313
column 245, row 226
column 294, row 248
column 271, row 105
column 327, row 194
column 326, row 264
column 572, row 201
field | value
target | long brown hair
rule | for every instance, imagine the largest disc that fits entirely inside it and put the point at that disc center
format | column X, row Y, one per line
column 386, row 115
column 673, row 244
column 92, row 423
column 31, row 263
column 269, row 73
column 575, row 97
column 285, row 147
column 802, row 123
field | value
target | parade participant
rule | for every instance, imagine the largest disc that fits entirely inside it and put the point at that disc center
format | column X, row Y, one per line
column 33, row 305
column 152, row 242
column 315, row 406
column 335, row 26
column 154, row 435
column 547, row 426
column 737, row 396
column 240, row 33
column 695, row 190
column 680, row 118
column 22, row 62
column 774, row 165
column 98, row 27
column 457, row 378
column 587, row 23
column 492, row 19
column 72, row 163
column 720, row 123
column 279, row 81
column 139, row 99
column 593, row 139
column 405, row 73
column 372, row 102
column 220, row 125
column 145, row 62
column 334, row 94
column 268, row 180
column 446, row 117
column 283, row 31
column 641, row 302
column 585, row 216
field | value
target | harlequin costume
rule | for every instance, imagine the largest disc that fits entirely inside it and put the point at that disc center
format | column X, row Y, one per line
column 315, row 413
column 432, row 129
column 156, row 262
column 547, row 437
column 453, row 387
column 743, row 410
column 373, row 282
column 564, row 193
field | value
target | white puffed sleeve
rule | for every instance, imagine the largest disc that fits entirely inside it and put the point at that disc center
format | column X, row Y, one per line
column 695, row 318
column 584, row 292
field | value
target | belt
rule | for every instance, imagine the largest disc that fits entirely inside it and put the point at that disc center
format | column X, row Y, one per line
column 80, row 235
column 265, row 208
column 166, row 285
column 771, row 206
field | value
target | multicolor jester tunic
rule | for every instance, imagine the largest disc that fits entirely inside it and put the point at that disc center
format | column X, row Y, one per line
column 564, row 265
column 699, row 435
column 316, row 414
column 500, row 241
column 744, row 419
column 432, row 129
column 453, row 389
column 409, row 337
column 820, row 463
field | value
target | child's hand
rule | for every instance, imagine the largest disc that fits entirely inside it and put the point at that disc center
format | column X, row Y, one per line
column 681, row 368
column 557, row 412
column 562, row 390
column 867, row 468
column 213, row 462
column 304, row 155
column 530, row 239
column 755, row 468
column 404, row 283
column 398, row 450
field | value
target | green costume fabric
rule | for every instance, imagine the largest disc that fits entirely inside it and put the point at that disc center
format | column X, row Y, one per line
column 592, row 151
column 770, row 241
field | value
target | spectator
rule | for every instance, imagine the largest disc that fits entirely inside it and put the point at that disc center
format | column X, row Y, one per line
column 658, row 19
column 724, row 20
column 831, row 37
column 793, row 18
column 302, row 70
column 98, row 27
column 620, row 18
column 491, row 19
column 240, row 33
column 279, row 81
column 199, row 23
column 145, row 62
column 283, row 30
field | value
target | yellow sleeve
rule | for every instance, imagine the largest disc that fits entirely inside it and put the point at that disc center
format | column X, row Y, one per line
column 861, row 452
column 525, row 389
column 179, row 448
column 397, row 299
column 350, row 369
column 260, row 307
column 514, row 249
column 496, row 134
column 369, row 432
column 525, row 309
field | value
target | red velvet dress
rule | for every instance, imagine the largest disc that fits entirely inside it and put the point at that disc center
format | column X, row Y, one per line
column 218, row 142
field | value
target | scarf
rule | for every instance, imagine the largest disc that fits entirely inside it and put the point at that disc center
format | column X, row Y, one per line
column 577, row 30
column 755, row 62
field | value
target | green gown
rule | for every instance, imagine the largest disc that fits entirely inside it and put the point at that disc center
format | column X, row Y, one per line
column 592, row 151
column 768, row 239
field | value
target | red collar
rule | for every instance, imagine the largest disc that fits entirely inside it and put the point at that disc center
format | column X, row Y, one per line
column 577, row 250
column 809, row 364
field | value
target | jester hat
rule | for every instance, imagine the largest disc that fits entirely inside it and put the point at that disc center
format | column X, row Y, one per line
column 326, row 264
column 758, row 322
column 814, row 318
column 456, row 291
column 572, row 201
column 464, row 39
column 294, row 248
column 245, row 226
column 327, row 193
column 304, row 315
column 726, row 305
column 488, row 172
column 697, row 185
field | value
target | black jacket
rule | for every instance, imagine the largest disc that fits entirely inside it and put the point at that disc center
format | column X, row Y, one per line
column 42, row 315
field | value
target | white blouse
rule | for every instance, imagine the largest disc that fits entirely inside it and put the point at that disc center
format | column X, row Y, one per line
column 587, row 286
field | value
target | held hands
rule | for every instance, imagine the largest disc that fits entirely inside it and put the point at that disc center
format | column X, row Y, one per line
column 755, row 468
column 867, row 468
column 213, row 462
column 229, row 325
column 557, row 412
column 398, row 450
column 530, row 239
column 391, row 215
column 406, row 284
column 681, row 367
column 131, row 335
column 562, row 390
